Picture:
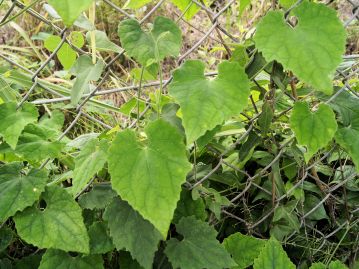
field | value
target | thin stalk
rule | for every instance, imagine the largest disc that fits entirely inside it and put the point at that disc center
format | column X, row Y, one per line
column 92, row 18
column 139, row 96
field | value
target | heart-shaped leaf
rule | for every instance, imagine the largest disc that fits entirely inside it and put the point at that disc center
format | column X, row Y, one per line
column 313, row 130
column 207, row 103
column 69, row 10
column 60, row 225
column 199, row 248
column 148, row 174
column 149, row 47
column 18, row 191
column 312, row 49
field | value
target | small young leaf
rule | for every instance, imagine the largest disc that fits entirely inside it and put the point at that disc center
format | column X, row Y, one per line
column 243, row 248
column 190, row 8
column 148, row 174
column 14, row 121
column 131, row 232
column 66, row 55
column 207, row 103
column 18, row 191
column 135, row 4
column 199, row 248
column 301, row 49
column 273, row 256
column 148, row 47
column 69, row 10
column 85, row 72
column 57, row 259
column 60, row 225
column 90, row 160
column 313, row 130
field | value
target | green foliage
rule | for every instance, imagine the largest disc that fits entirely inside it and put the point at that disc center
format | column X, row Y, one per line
column 206, row 103
column 122, row 221
column 272, row 256
column 200, row 244
column 148, row 47
column 70, row 10
column 313, row 130
column 13, row 121
column 244, row 249
column 295, row 47
column 195, row 170
column 148, row 173
column 59, row 225
column 17, row 190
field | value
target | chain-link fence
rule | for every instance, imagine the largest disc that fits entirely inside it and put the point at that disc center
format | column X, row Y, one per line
column 202, row 35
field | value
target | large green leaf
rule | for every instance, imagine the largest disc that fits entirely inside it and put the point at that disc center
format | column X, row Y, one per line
column 313, row 130
column 60, row 225
column 199, row 248
column 207, row 103
column 130, row 231
column 273, row 256
column 14, row 121
column 57, row 259
column 243, row 248
column 85, row 72
column 149, row 173
column 69, row 10
column 17, row 190
column 148, row 47
column 332, row 265
column 312, row 49
column 90, row 160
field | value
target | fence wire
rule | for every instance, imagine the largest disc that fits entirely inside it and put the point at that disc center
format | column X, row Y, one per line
column 217, row 33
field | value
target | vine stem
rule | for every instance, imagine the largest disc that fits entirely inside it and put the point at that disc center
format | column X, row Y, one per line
column 139, row 96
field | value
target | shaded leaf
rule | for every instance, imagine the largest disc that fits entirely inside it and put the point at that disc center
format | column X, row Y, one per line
column 98, row 198
column 199, row 248
column 60, row 225
column 100, row 241
column 131, row 232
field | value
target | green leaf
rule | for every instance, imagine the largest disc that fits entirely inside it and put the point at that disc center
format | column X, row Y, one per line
column 301, row 49
column 29, row 262
column 243, row 248
column 98, row 198
column 273, row 256
column 287, row 3
column 310, row 202
column 131, row 232
column 313, row 130
column 100, row 241
column 6, row 236
column 14, row 121
column 57, row 259
column 187, row 6
column 70, row 10
column 207, row 103
column 135, row 4
column 337, row 265
column 37, row 143
column 149, row 173
column 102, row 42
column 126, row 261
column 85, row 72
column 7, row 94
column 17, row 190
column 148, row 47
column 66, row 55
column 199, row 248
column 60, row 225
column 90, row 161
column 186, row 207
